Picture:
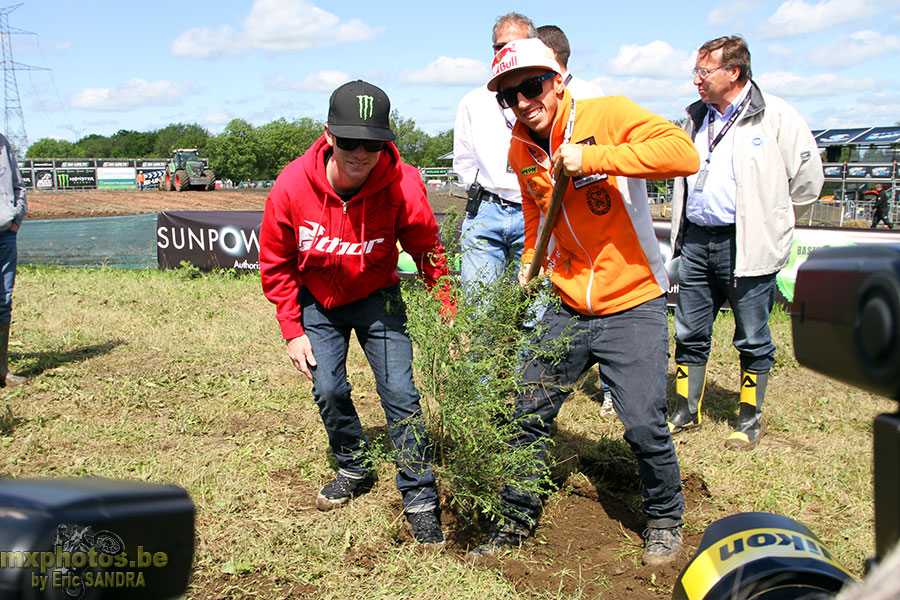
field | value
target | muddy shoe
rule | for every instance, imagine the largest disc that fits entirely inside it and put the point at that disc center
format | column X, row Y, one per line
column 661, row 545
column 426, row 529
column 339, row 490
column 501, row 538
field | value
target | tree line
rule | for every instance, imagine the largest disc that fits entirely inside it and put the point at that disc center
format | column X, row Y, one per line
column 241, row 151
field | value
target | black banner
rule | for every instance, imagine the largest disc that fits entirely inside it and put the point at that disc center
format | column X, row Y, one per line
column 42, row 175
column 152, row 170
column 75, row 174
column 209, row 239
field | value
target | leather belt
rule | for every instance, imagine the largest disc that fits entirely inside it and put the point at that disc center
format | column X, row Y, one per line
column 487, row 196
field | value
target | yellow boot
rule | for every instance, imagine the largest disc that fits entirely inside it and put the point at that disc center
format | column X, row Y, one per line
column 749, row 426
column 690, row 383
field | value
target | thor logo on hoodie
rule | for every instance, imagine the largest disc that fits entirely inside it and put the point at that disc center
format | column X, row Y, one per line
column 312, row 237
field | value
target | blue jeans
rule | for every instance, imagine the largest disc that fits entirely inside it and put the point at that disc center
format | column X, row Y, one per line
column 380, row 325
column 8, row 261
column 491, row 242
column 705, row 281
column 632, row 349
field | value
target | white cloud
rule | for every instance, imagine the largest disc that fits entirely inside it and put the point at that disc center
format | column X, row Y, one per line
column 133, row 93
column 779, row 51
column 216, row 122
column 204, row 42
column 273, row 26
column 783, row 83
column 730, row 13
column 323, row 81
column 797, row 17
column 853, row 49
column 656, row 59
column 858, row 114
column 643, row 89
column 450, row 71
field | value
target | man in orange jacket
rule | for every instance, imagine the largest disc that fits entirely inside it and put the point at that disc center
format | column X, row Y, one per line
column 606, row 268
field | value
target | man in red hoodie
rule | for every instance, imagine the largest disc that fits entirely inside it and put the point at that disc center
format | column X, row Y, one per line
column 328, row 259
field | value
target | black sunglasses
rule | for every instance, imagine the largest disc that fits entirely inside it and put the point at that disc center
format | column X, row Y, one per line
column 351, row 144
column 530, row 88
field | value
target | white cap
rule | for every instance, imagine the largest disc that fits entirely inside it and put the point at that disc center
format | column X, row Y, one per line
column 521, row 54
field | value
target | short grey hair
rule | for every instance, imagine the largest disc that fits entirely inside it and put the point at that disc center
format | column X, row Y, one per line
column 513, row 18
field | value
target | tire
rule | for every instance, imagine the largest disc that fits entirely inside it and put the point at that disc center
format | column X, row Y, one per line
column 109, row 543
column 164, row 182
column 182, row 183
column 212, row 180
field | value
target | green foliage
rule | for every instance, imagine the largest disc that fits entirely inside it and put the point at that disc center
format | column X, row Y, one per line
column 416, row 147
column 241, row 151
column 125, row 143
column 468, row 375
column 50, row 148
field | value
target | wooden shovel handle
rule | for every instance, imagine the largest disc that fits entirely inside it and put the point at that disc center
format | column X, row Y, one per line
column 559, row 190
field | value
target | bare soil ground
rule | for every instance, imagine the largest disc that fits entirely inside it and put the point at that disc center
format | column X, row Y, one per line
column 112, row 203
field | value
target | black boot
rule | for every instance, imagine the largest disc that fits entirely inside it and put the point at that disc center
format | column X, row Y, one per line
column 749, row 426
column 690, row 383
column 7, row 378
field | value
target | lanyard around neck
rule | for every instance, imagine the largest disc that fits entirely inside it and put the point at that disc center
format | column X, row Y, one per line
column 709, row 127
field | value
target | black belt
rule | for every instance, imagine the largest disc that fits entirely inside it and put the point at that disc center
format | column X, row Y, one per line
column 487, row 196
column 713, row 228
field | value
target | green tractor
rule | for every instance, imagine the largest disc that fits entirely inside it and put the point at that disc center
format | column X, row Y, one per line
column 187, row 170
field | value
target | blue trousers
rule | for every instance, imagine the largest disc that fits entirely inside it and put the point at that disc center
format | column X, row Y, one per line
column 705, row 281
column 491, row 241
column 8, row 262
column 632, row 350
column 380, row 325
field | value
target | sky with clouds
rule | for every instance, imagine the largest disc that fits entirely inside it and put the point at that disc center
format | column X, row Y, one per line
column 99, row 66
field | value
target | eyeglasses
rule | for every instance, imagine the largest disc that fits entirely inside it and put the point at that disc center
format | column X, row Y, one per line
column 530, row 88
column 498, row 47
column 351, row 144
column 704, row 73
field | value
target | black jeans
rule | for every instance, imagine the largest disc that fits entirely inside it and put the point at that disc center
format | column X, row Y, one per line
column 632, row 348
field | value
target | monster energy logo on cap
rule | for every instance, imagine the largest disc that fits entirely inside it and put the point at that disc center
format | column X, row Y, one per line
column 360, row 110
column 366, row 106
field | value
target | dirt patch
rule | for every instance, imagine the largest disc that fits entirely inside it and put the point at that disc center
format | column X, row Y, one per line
column 588, row 544
column 113, row 203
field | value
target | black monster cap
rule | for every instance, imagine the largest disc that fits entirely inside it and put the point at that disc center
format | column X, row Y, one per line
column 360, row 110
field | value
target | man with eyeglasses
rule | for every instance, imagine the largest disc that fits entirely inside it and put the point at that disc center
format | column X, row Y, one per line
column 732, row 225
column 492, row 233
column 328, row 260
column 606, row 268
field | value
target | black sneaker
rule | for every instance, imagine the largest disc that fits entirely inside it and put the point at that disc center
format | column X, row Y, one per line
column 661, row 545
column 339, row 490
column 426, row 529
column 500, row 539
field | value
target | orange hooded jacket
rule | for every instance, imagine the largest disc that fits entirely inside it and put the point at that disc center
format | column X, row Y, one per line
column 604, row 256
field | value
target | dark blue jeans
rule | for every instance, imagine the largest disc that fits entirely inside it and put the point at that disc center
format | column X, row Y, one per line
column 632, row 348
column 705, row 281
column 8, row 262
column 380, row 325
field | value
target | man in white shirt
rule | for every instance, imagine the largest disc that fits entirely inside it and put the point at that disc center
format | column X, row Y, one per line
column 732, row 225
column 493, row 232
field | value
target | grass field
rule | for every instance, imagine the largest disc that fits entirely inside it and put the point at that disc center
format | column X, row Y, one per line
column 182, row 378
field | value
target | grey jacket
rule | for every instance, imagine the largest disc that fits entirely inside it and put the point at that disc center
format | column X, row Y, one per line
column 12, row 190
column 776, row 166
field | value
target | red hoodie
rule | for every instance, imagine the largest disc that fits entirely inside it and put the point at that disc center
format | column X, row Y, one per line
column 342, row 252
